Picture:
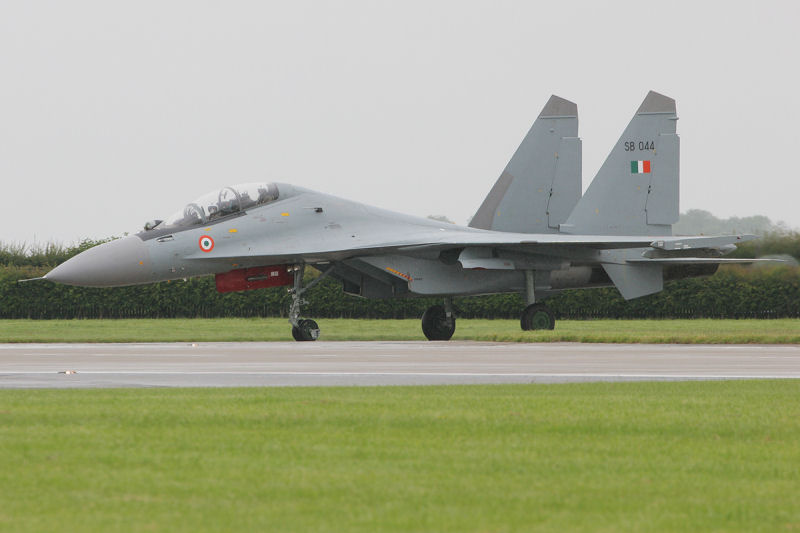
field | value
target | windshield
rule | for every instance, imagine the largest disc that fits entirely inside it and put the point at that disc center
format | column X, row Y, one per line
column 218, row 204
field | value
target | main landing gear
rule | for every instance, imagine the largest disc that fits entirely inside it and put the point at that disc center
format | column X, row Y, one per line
column 439, row 322
column 303, row 329
column 535, row 316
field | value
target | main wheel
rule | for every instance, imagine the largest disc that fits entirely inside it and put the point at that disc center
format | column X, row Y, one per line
column 435, row 324
column 306, row 330
column 537, row 316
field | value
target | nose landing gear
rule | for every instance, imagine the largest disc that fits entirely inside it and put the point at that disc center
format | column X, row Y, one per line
column 303, row 329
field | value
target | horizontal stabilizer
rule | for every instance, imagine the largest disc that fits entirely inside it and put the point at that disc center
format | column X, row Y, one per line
column 700, row 241
column 702, row 261
column 635, row 280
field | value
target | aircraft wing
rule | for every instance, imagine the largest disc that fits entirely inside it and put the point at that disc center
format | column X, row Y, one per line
column 600, row 242
column 432, row 240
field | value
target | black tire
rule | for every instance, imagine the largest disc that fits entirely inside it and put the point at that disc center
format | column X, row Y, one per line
column 537, row 316
column 435, row 324
column 306, row 330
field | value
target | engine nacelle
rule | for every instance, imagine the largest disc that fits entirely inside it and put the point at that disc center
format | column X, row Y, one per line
column 247, row 279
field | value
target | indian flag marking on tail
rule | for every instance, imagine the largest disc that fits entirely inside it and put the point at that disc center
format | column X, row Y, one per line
column 640, row 167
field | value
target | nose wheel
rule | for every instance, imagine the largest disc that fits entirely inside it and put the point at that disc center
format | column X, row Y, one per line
column 303, row 329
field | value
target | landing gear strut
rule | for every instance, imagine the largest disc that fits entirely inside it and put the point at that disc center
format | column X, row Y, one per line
column 303, row 329
column 439, row 322
column 535, row 316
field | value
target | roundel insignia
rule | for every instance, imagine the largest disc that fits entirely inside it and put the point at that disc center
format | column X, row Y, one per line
column 206, row 243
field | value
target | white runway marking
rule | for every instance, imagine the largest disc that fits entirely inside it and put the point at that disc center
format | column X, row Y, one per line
column 382, row 363
column 431, row 374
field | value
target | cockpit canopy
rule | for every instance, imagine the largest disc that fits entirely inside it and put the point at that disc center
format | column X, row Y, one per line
column 222, row 203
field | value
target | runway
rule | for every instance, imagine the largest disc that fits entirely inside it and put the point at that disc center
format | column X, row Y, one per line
column 381, row 363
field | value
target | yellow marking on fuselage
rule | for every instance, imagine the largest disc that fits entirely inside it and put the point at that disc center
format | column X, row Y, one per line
column 398, row 273
column 233, row 230
column 284, row 214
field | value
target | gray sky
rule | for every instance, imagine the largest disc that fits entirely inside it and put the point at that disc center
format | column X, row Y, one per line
column 113, row 113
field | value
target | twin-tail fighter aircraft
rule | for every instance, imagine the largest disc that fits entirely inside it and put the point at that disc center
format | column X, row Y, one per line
column 534, row 233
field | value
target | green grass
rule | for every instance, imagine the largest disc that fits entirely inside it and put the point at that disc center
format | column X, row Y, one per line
column 680, row 456
column 275, row 329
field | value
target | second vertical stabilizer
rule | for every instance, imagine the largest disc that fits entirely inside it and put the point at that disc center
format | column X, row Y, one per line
column 635, row 192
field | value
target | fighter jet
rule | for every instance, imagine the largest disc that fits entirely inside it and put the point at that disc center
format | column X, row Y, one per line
column 534, row 234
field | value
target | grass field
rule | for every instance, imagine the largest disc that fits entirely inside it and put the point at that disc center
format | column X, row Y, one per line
column 786, row 331
column 681, row 456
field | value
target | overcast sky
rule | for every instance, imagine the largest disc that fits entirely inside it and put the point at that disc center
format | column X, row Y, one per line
column 113, row 113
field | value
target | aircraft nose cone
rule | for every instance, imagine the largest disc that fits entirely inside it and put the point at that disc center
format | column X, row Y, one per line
column 121, row 262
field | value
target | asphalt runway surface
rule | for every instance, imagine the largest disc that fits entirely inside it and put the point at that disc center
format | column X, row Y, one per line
column 381, row 363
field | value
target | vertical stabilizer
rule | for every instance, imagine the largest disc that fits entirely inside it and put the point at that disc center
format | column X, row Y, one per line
column 542, row 183
column 636, row 190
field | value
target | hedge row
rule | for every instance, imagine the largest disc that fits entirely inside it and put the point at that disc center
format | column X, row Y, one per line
column 734, row 292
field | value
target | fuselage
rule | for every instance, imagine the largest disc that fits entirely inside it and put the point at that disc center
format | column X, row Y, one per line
column 374, row 252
